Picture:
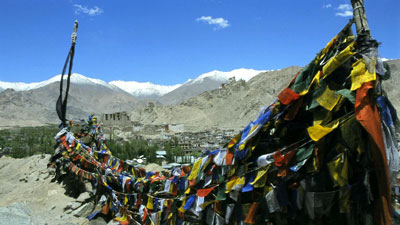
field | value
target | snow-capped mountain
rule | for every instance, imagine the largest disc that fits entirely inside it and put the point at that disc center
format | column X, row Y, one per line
column 75, row 78
column 238, row 74
column 147, row 90
column 144, row 89
column 206, row 82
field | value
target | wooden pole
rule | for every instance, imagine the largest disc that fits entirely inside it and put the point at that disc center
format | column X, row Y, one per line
column 360, row 16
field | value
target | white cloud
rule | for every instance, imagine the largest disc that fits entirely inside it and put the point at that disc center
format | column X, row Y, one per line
column 344, row 7
column 327, row 6
column 95, row 11
column 345, row 10
column 218, row 23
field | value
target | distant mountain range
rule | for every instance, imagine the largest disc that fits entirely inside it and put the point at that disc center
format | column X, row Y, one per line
column 145, row 90
column 75, row 78
column 199, row 103
column 32, row 104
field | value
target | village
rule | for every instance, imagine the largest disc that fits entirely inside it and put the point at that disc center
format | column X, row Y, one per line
column 193, row 143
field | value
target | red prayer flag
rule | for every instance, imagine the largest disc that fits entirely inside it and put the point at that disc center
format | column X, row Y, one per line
column 283, row 160
column 204, row 192
column 294, row 109
column 287, row 96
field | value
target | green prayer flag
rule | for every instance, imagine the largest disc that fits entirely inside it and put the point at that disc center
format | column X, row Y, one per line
column 221, row 195
column 304, row 78
column 350, row 95
column 304, row 152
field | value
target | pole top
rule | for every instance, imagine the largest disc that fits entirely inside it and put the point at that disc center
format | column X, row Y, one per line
column 74, row 33
column 360, row 17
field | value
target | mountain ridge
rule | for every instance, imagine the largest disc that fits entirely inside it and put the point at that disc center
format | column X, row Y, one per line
column 145, row 90
column 238, row 102
column 231, row 105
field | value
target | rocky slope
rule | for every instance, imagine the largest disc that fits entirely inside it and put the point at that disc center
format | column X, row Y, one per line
column 230, row 107
column 205, row 82
column 392, row 85
column 239, row 102
column 37, row 106
column 29, row 197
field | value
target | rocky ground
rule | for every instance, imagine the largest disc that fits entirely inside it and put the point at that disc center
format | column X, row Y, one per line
column 28, row 195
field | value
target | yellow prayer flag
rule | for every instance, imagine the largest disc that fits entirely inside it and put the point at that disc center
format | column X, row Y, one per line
column 232, row 171
column 205, row 204
column 326, row 49
column 334, row 62
column 150, row 203
column 240, row 181
column 328, row 99
column 317, row 132
column 195, row 169
column 230, row 184
column 183, row 204
column 187, row 191
column 315, row 79
column 110, row 161
column 339, row 170
column 360, row 74
column 234, row 182
column 126, row 200
column 261, row 177
column 122, row 218
column 234, row 140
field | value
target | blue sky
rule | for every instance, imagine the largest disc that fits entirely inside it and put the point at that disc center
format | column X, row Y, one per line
column 170, row 41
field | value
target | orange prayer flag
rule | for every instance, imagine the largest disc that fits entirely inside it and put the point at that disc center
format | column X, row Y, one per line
column 368, row 116
column 252, row 213
column 186, row 169
column 125, row 222
column 229, row 157
column 105, row 209
column 192, row 183
column 144, row 216
column 121, row 166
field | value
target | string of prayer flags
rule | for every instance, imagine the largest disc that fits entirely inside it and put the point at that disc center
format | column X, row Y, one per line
column 323, row 152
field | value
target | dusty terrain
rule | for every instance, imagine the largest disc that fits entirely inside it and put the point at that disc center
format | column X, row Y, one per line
column 29, row 197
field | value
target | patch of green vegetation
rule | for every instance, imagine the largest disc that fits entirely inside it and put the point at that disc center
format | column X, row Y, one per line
column 27, row 141
column 133, row 149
